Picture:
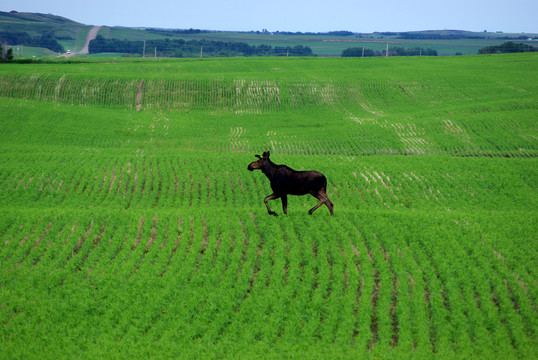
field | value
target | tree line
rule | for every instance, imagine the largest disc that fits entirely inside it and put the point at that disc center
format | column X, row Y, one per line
column 451, row 35
column 507, row 47
column 193, row 48
column 176, row 31
column 22, row 38
column 393, row 51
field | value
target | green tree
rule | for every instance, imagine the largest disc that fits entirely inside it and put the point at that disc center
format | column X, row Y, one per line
column 507, row 47
column 9, row 55
column 358, row 52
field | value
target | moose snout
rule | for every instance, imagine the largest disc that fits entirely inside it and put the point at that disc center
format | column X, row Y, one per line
column 253, row 166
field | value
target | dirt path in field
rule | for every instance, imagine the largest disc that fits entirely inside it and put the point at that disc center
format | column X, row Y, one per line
column 92, row 34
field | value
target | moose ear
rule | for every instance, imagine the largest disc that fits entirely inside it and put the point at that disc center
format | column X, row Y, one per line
column 258, row 156
column 266, row 154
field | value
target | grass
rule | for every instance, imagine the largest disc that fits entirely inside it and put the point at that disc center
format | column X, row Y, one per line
column 129, row 233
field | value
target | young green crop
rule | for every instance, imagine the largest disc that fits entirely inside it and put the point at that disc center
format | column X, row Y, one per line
column 142, row 232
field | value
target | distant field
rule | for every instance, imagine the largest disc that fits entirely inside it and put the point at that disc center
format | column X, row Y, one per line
column 335, row 45
column 71, row 35
column 130, row 226
column 31, row 51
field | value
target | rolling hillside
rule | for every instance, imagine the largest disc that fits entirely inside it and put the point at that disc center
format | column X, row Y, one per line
column 71, row 35
column 68, row 33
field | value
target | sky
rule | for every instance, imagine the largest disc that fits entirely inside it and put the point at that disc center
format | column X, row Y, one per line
column 509, row 16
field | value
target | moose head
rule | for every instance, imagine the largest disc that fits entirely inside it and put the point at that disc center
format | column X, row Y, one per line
column 260, row 163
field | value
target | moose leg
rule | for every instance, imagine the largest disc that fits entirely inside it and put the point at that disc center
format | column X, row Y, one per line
column 315, row 207
column 323, row 199
column 270, row 197
column 327, row 202
column 330, row 206
column 284, row 199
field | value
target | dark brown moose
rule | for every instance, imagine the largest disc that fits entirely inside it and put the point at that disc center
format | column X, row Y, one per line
column 285, row 180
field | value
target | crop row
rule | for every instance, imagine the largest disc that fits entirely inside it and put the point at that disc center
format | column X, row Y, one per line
column 191, row 180
column 505, row 134
column 238, row 95
column 355, row 281
column 380, row 118
column 242, row 95
column 319, row 133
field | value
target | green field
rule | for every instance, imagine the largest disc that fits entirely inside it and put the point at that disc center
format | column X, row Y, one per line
column 335, row 45
column 131, row 228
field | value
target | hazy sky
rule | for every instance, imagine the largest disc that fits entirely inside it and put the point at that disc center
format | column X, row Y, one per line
column 296, row 15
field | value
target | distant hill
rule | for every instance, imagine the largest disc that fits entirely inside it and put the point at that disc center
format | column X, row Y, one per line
column 36, row 24
column 35, row 34
column 50, row 33
column 14, row 16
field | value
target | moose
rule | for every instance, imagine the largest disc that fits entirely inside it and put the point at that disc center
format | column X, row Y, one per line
column 286, row 181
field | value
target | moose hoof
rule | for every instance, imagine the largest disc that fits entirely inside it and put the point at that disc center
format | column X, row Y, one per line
column 273, row 213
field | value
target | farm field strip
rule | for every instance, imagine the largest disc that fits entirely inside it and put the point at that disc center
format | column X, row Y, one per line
column 514, row 133
column 192, row 180
column 244, row 95
column 364, row 285
column 475, row 124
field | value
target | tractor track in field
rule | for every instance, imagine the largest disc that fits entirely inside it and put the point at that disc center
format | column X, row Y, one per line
column 91, row 35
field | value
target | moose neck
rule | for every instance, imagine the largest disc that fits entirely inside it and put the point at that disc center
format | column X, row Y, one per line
column 269, row 169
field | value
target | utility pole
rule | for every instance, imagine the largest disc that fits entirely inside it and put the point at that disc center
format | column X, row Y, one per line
column 144, row 51
column 155, row 51
column 387, row 54
column 201, row 52
column 363, row 51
